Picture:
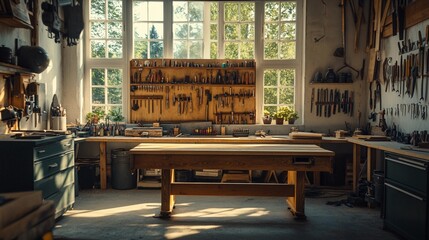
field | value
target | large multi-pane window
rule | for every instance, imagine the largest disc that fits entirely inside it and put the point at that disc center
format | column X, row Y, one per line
column 148, row 29
column 239, row 33
column 106, row 89
column 280, row 22
column 105, row 49
column 267, row 31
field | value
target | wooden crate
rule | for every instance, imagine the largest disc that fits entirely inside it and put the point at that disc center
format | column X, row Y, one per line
column 144, row 132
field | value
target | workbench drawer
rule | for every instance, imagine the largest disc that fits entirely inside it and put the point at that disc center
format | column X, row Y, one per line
column 406, row 171
column 55, row 183
column 53, row 165
column 64, row 199
column 52, row 149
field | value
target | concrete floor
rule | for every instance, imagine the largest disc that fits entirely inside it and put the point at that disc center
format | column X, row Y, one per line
column 128, row 214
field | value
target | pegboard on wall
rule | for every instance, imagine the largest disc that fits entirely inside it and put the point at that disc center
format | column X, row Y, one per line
column 181, row 90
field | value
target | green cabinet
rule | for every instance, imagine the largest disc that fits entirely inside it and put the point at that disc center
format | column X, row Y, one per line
column 406, row 205
column 45, row 164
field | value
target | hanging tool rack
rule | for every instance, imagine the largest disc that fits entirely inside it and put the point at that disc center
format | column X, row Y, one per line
column 182, row 90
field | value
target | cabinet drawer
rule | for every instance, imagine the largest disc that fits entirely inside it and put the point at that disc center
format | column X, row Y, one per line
column 405, row 212
column 53, row 165
column 55, row 183
column 410, row 172
column 64, row 199
column 53, row 148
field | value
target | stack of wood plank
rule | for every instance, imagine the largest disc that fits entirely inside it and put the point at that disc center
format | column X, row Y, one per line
column 25, row 215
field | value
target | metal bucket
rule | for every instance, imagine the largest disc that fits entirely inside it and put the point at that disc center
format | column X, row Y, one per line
column 123, row 177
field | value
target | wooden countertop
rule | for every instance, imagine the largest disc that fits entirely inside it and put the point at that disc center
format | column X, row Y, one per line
column 232, row 149
column 280, row 139
column 390, row 146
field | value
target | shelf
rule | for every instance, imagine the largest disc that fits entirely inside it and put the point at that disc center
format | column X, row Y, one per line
column 15, row 22
column 193, row 84
column 329, row 83
column 6, row 68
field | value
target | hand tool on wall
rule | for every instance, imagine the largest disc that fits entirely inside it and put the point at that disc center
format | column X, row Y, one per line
column 209, row 98
column 318, row 103
column 401, row 18
column 427, row 74
column 371, row 101
column 394, row 17
column 414, row 75
column 312, row 100
column 378, row 93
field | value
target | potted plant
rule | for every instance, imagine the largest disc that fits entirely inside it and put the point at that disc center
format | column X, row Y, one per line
column 282, row 114
column 292, row 117
column 95, row 116
column 267, row 117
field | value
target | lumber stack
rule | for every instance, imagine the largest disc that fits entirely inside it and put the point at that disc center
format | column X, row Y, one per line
column 25, row 215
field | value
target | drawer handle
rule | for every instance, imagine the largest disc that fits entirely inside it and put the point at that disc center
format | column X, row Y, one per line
column 409, row 163
column 41, row 151
column 405, row 192
column 54, row 165
column 302, row 160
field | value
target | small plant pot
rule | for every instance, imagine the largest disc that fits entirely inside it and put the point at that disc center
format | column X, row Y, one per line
column 279, row 121
column 291, row 121
column 267, row 120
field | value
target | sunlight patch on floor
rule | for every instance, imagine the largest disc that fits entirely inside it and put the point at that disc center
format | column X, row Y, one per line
column 174, row 232
column 224, row 212
column 112, row 211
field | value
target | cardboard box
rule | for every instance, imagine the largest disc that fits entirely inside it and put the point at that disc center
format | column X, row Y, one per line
column 17, row 205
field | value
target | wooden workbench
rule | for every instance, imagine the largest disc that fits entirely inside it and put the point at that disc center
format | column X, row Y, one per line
column 389, row 146
column 103, row 141
column 296, row 159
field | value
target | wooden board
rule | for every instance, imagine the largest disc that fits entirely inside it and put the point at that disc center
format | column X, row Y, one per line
column 18, row 205
column 305, row 135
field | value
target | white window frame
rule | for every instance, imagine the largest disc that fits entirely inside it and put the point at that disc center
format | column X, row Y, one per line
column 261, row 64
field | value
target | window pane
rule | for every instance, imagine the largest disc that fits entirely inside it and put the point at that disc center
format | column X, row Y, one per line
column 156, row 31
column 99, row 109
column 140, row 31
column 272, row 11
column 231, row 31
column 98, row 49
column 98, row 9
column 288, row 11
column 180, row 12
column 115, row 49
column 214, row 11
column 271, row 109
column 180, row 30
column 98, row 30
column 213, row 50
column 287, row 50
column 271, row 31
column 247, row 31
column 231, row 11
column 287, row 77
column 270, row 95
column 271, row 50
column 114, row 77
column 140, row 49
column 213, row 31
column 270, row 78
column 288, row 31
column 114, row 30
column 196, row 49
column 156, row 50
column 97, row 76
column 140, row 11
column 114, row 96
column 247, row 12
column 286, row 96
column 114, row 10
column 231, row 50
column 247, row 50
column 180, row 49
column 196, row 11
column 97, row 95
column 196, row 31
column 156, row 12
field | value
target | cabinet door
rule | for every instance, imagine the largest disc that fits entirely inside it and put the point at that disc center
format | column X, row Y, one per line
column 405, row 212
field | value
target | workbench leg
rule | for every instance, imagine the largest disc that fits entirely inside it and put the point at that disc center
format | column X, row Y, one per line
column 167, row 200
column 297, row 203
column 370, row 163
column 103, row 167
column 356, row 165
